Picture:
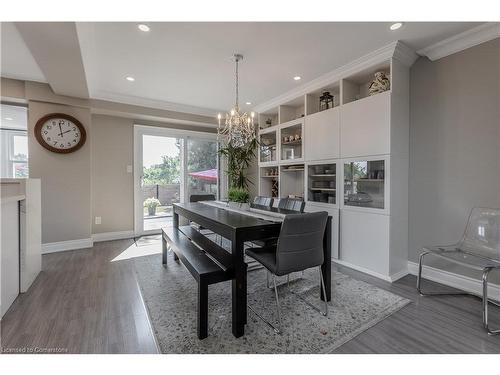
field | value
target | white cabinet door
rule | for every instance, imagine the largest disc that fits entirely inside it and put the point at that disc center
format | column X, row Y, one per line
column 364, row 241
column 365, row 126
column 322, row 135
column 334, row 213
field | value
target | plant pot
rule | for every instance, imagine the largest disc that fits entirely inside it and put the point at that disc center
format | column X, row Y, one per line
column 151, row 211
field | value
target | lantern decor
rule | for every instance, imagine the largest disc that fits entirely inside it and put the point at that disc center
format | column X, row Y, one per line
column 325, row 101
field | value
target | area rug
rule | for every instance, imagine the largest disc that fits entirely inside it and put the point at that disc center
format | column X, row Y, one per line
column 170, row 297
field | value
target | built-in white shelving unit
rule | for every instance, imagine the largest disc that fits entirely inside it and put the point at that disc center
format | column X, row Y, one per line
column 350, row 160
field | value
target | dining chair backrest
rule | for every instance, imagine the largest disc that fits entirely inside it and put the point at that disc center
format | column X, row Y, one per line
column 300, row 243
column 292, row 204
column 263, row 201
column 482, row 234
column 201, row 197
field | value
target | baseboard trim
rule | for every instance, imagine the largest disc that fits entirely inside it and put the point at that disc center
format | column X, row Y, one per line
column 110, row 236
column 55, row 247
column 455, row 280
column 390, row 279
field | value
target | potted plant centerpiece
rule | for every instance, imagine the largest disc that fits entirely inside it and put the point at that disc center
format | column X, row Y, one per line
column 238, row 198
column 238, row 161
column 151, row 204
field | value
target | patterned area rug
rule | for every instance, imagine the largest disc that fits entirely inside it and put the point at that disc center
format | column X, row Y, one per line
column 170, row 296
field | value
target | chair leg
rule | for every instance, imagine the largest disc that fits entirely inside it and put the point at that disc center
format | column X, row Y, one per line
column 419, row 282
column 322, row 285
column 277, row 305
column 486, row 273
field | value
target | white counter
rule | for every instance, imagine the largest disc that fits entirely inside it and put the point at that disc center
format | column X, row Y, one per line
column 27, row 193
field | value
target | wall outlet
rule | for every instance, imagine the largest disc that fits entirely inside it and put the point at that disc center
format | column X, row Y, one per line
column 98, row 220
column 129, row 169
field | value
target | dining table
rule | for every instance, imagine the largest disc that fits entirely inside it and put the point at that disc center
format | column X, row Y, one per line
column 241, row 226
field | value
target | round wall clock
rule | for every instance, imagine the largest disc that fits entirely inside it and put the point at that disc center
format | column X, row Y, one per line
column 60, row 133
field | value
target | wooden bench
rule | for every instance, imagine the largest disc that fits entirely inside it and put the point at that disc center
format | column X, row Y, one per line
column 207, row 262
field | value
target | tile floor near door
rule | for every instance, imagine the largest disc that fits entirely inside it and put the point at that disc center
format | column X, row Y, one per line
column 88, row 301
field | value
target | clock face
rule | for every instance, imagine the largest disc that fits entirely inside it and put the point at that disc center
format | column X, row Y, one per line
column 60, row 133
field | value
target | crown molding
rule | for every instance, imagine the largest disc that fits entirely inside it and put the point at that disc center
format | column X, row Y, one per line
column 395, row 49
column 462, row 41
column 153, row 103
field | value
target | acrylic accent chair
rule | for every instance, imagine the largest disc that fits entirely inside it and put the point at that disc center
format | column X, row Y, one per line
column 479, row 249
column 299, row 247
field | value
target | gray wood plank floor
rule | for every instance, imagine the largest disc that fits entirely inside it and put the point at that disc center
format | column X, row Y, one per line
column 84, row 302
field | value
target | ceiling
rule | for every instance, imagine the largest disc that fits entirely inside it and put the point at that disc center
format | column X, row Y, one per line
column 187, row 66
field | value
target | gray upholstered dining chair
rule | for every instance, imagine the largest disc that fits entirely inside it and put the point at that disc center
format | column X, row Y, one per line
column 299, row 247
column 479, row 249
column 292, row 204
column 260, row 201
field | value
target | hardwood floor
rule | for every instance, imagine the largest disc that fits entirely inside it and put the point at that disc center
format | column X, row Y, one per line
column 84, row 302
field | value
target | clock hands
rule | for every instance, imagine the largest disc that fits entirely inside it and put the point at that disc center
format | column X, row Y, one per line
column 60, row 129
column 67, row 131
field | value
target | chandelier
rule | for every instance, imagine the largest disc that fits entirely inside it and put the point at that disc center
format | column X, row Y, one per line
column 237, row 129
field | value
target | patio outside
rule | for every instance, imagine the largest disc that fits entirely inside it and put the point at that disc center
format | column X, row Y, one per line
column 162, row 175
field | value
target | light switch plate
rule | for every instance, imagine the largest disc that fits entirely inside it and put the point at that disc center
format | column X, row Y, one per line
column 129, row 169
column 97, row 220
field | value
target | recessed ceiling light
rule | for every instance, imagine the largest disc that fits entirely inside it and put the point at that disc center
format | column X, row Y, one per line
column 130, row 79
column 248, row 103
column 143, row 27
column 9, row 118
column 297, row 78
column 396, row 26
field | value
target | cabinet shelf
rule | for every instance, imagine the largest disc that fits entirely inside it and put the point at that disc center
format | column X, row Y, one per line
column 322, row 175
column 294, row 143
column 269, row 176
column 322, row 189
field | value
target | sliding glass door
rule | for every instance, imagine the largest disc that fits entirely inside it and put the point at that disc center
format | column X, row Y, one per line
column 170, row 166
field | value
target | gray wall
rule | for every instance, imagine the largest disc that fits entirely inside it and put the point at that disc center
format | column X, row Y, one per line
column 65, row 178
column 454, row 143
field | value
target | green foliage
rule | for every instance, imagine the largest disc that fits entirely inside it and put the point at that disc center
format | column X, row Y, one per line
column 151, row 203
column 168, row 172
column 201, row 156
column 238, row 195
column 239, row 159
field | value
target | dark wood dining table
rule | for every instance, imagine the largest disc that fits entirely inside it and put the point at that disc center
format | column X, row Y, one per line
column 239, row 228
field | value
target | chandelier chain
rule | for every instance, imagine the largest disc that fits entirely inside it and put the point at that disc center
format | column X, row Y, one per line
column 237, row 81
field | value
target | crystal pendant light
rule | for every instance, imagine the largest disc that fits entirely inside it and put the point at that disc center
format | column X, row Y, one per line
column 238, row 128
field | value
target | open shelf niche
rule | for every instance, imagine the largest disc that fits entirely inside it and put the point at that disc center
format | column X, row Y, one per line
column 268, row 118
column 355, row 87
column 292, row 181
column 292, row 110
column 312, row 99
column 269, row 181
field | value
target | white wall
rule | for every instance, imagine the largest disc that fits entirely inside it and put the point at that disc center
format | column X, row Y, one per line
column 454, row 143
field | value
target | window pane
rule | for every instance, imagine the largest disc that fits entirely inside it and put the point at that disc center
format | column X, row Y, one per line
column 13, row 141
column 202, row 170
column 20, row 148
column 20, row 170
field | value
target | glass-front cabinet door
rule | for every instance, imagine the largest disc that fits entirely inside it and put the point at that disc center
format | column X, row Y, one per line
column 364, row 184
column 322, row 183
column 268, row 150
